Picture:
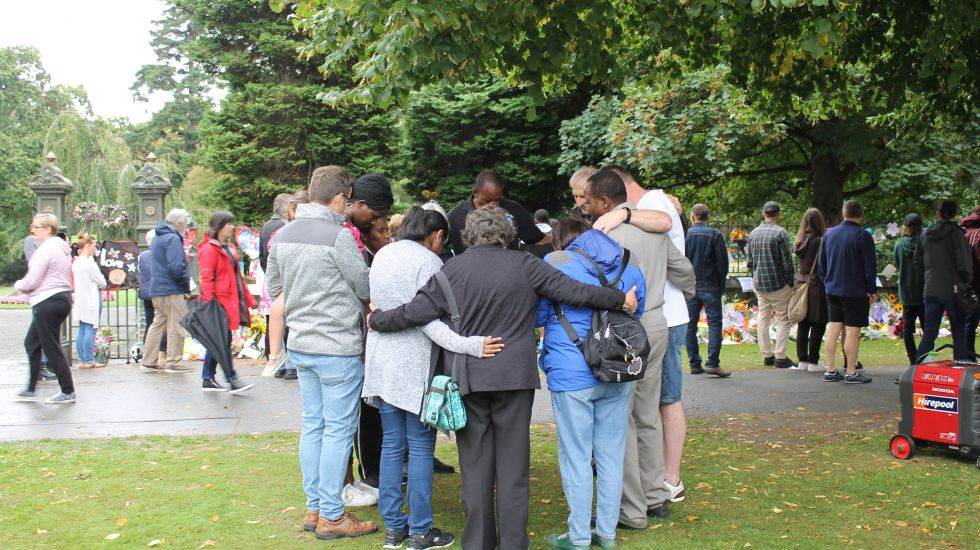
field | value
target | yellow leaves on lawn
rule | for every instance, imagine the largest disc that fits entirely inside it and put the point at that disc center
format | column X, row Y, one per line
column 112, row 536
column 156, row 542
column 692, row 518
column 207, row 543
column 214, row 518
column 121, row 521
column 42, row 531
column 928, row 504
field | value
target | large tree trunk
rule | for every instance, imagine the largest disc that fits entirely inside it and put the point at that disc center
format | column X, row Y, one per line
column 828, row 183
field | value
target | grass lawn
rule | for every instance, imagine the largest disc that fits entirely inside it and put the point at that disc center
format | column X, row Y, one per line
column 840, row 489
column 133, row 298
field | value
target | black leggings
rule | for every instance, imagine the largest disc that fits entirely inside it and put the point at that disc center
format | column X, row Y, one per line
column 809, row 336
column 44, row 334
column 909, row 315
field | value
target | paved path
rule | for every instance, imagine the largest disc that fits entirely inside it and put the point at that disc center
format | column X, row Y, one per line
column 121, row 400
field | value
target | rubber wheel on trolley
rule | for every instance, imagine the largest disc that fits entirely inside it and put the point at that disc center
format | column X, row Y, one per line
column 902, row 447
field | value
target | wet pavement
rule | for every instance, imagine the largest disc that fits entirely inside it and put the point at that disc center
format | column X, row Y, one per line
column 120, row 400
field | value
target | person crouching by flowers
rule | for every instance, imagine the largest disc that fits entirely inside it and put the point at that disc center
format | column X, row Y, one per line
column 89, row 283
column 48, row 288
column 222, row 280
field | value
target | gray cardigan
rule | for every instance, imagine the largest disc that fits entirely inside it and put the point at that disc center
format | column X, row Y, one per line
column 396, row 365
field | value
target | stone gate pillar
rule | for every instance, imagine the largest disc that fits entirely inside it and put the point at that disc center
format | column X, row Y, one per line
column 51, row 188
column 151, row 188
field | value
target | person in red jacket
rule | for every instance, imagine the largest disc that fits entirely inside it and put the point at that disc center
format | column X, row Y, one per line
column 221, row 279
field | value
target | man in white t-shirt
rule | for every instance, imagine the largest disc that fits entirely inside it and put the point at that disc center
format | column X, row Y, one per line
column 672, row 414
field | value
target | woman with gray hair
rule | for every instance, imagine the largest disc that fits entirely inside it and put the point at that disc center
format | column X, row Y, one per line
column 497, row 292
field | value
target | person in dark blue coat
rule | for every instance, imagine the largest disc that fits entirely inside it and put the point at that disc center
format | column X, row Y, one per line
column 145, row 268
column 169, row 291
column 592, row 416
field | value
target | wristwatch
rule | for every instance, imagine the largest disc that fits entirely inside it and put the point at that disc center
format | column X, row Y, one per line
column 629, row 215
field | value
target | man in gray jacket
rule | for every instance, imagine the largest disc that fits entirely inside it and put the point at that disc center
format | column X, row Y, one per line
column 644, row 492
column 315, row 262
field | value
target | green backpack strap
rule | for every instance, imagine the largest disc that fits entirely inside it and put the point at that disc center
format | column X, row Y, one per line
column 447, row 291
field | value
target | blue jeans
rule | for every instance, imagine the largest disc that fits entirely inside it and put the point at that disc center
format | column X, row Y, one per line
column 402, row 430
column 670, row 388
column 935, row 307
column 710, row 300
column 592, row 423
column 211, row 365
column 970, row 334
column 331, row 390
column 85, row 344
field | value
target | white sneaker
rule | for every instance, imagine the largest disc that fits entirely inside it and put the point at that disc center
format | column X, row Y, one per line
column 355, row 497
column 676, row 491
column 800, row 367
column 817, row 367
column 364, row 487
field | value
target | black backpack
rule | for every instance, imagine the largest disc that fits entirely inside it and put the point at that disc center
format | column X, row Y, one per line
column 617, row 346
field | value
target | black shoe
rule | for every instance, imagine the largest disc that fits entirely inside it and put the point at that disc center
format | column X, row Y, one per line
column 661, row 511
column 784, row 363
column 441, row 467
column 290, row 374
column 395, row 539
column 237, row 386
column 696, row 369
column 281, row 373
column 47, row 374
column 718, row 371
column 769, row 361
column 621, row 525
column 433, row 538
column 212, row 385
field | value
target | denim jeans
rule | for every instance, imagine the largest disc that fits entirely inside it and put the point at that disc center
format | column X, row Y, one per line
column 331, row 389
column 85, row 344
column 592, row 422
column 710, row 300
column 935, row 307
column 211, row 365
column 403, row 429
column 970, row 334
column 670, row 389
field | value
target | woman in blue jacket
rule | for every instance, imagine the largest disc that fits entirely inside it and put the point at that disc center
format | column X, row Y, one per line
column 591, row 415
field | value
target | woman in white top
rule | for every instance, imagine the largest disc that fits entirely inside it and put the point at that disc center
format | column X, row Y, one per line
column 88, row 281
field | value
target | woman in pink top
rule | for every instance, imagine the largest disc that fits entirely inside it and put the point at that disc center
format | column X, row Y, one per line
column 48, row 287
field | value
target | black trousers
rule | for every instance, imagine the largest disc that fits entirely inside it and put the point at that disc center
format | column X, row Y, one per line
column 44, row 335
column 368, row 444
column 809, row 336
column 909, row 315
column 148, row 314
column 495, row 453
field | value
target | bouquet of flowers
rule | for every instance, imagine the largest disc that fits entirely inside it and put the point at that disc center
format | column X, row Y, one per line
column 85, row 212
column 103, row 342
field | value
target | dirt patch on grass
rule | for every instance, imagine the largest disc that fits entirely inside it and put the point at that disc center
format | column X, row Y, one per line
column 781, row 428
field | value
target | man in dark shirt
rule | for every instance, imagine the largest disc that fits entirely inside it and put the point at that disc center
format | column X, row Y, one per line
column 848, row 268
column 708, row 254
column 488, row 190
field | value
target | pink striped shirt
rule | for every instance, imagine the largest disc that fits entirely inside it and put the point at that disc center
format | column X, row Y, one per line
column 48, row 272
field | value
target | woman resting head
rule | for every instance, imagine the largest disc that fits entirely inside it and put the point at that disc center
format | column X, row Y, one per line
column 489, row 226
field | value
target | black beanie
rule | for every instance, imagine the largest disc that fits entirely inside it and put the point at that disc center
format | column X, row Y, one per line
column 374, row 190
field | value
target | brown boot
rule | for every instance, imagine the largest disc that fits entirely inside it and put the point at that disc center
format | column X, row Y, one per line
column 309, row 524
column 346, row 526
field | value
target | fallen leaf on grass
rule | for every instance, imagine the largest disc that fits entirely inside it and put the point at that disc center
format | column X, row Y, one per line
column 42, row 531
column 545, row 501
column 215, row 518
column 112, row 536
column 289, row 509
column 703, row 485
column 251, row 521
column 924, row 531
column 777, row 510
column 692, row 518
column 742, row 490
column 121, row 521
column 208, row 542
column 901, row 524
column 155, row 542
column 928, row 504
column 205, row 467
column 952, row 524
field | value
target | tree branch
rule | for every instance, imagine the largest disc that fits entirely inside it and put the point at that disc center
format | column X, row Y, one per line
column 774, row 170
column 862, row 190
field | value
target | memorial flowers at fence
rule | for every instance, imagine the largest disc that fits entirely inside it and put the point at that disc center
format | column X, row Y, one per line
column 103, row 344
column 108, row 221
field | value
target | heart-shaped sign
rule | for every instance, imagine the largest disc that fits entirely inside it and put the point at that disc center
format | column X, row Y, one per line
column 247, row 241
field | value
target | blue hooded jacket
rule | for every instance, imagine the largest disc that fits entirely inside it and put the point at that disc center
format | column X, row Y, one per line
column 561, row 360
column 169, row 272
